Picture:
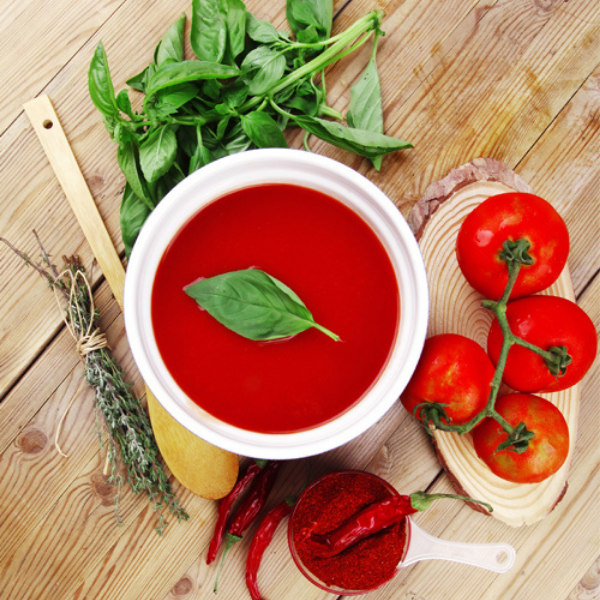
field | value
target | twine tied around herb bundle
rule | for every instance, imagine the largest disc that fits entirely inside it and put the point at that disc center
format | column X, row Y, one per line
column 89, row 340
column 86, row 341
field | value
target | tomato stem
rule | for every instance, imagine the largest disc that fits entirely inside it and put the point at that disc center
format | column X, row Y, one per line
column 514, row 254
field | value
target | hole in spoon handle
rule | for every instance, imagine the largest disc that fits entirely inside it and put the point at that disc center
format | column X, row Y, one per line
column 499, row 557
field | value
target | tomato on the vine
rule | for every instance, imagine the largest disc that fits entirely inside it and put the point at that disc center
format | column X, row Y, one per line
column 512, row 216
column 454, row 371
column 544, row 321
column 547, row 450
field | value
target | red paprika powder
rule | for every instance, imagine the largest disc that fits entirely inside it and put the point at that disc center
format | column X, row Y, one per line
column 327, row 505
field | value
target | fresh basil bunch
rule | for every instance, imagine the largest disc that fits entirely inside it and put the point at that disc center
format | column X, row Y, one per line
column 249, row 82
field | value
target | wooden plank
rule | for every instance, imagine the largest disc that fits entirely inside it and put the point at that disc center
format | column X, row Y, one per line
column 25, row 201
column 589, row 586
column 562, row 168
column 45, row 376
column 29, row 199
column 35, row 49
column 63, row 502
column 278, row 576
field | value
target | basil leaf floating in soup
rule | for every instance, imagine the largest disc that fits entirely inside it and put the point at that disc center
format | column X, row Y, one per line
column 254, row 305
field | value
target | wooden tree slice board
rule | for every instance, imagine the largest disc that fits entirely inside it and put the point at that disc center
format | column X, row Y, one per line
column 455, row 308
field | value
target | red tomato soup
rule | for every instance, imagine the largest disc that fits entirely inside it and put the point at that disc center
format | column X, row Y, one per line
column 328, row 256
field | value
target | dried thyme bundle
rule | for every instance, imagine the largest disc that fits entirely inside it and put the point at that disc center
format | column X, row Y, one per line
column 130, row 440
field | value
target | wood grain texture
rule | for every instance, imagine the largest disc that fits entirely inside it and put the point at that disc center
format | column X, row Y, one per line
column 589, row 586
column 562, row 168
column 35, row 49
column 543, row 569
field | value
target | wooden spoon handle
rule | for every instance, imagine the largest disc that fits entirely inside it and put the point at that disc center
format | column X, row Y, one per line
column 54, row 141
column 204, row 469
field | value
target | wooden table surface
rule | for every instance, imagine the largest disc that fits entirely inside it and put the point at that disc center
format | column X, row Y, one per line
column 515, row 80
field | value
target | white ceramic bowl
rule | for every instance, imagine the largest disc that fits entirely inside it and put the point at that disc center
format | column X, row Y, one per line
column 304, row 169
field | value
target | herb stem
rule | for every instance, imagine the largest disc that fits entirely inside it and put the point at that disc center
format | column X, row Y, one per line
column 332, row 54
column 326, row 331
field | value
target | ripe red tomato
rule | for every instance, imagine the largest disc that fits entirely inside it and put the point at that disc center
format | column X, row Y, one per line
column 512, row 216
column 547, row 450
column 544, row 321
column 455, row 371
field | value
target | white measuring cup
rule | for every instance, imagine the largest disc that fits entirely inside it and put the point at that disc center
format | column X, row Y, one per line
column 498, row 557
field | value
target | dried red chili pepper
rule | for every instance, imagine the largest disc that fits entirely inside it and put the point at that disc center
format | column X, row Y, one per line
column 253, row 503
column 373, row 519
column 261, row 540
column 225, row 508
column 368, row 521
column 249, row 509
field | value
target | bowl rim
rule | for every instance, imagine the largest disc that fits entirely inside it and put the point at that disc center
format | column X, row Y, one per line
column 243, row 170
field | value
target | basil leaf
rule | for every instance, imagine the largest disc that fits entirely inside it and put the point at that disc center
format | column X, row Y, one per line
column 262, row 129
column 208, row 34
column 254, row 305
column 172, row 74
column 269, row 65
column 100, row 85
column 171, row 46
column 302, row 14
column 128, row 158
column 168, row 181
column 261, row 31
column 170, row 99
column 237, row 141
column 365, row 110
column 235, row 95
column 137, row 82
column 235, row 18
column 140, row 81
column 134, row 213
column 308, row 98
column 158, row 153
column 222, row 127
column 362, row 142
column 124, row 103
column 202, row 155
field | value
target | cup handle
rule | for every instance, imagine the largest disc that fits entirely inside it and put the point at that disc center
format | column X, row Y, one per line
column 499, row 557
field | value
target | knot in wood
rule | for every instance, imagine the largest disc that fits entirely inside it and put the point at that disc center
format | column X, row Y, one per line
column 547, row 6
column 96, row 181
column 103, row 488
column 32, row 441
column 182, row 587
